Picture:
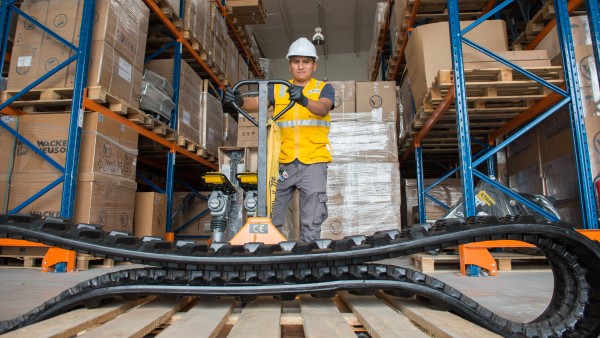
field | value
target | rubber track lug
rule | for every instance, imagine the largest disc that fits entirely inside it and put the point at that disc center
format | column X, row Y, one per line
column 18, row 218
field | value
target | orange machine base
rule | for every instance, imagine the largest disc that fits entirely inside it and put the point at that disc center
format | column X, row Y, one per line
column 258, row 229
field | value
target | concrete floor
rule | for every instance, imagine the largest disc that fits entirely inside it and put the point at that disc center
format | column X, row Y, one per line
column 517, row 295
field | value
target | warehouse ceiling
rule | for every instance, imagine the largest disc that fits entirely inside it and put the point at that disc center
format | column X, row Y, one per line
column 346, row 24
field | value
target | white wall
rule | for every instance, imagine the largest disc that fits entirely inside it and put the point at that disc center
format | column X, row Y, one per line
column 337, row 67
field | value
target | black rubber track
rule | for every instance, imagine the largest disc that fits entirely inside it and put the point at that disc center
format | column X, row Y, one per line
column 326, row 266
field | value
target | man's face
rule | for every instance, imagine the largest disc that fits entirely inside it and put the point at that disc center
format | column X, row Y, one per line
column 301, row 68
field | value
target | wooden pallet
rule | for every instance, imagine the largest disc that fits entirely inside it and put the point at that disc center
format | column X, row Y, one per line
column 16, row 261
column 494, row 96
column 50, row 100
column 188, row 144
column 110, row 100
column 430, row 263
column 85, row 261
column 169, row 12
column 342, row 316
column 156, row 126
column 24, row 257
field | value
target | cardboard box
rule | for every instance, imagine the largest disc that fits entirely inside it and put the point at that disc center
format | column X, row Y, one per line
column 189, row 117
column 580, row 29
column 63, row 18
column 522, row 58
column 344, row 105
column 150, row 214
column 108, row 203
column 4, row 191
column 246, row 160
column 244, row 122
column 364, row 142
column 247, row 136
column 592, row 127
column 211, row 124
column 123, row 24
column 376, row 101
column 7, row 144
column 428, row 51
column 23, row 67
column 26, row 33
column 229, row 131
column 107, row 147
column 52, row 53
column 112, row 71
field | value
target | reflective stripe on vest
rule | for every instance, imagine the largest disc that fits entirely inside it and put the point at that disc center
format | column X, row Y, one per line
column 304, row 123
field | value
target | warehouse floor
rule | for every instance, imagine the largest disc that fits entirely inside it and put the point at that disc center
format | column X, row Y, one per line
column 519, row 294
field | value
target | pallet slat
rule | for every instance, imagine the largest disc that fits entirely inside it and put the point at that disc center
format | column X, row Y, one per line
column 71, row 323
column 258, row 319
column 205, row 319
column 139, row 321
column 379, row 319
column 322, row 319
column 438, row 323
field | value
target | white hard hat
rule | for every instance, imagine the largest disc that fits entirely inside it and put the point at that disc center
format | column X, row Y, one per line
column 302, row 47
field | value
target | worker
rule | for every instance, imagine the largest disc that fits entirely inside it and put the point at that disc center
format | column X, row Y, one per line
column 304, row 131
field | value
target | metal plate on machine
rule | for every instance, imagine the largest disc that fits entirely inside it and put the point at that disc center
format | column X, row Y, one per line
column 259, row 228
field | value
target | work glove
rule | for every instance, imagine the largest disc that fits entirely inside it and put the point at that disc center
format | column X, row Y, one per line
column 230, row 97
column 297, row 96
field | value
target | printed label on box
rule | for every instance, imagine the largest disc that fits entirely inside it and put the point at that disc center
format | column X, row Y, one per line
column 187, row 117
column 125, row 69
column 24, row 61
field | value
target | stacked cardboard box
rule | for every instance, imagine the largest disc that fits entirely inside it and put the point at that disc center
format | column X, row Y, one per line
column 189, row 114
column 344, row 105
column 363, row 198
column 150, row 214
column 230, row 131
column 211, row 126
column 247, row 12
column 231, row 67
column 220, row 36
column 428, row 51
column 247, row 131
column 116, row 55
column 363, row 186
column 106, row 177
column 196, row 22
column 379, row 23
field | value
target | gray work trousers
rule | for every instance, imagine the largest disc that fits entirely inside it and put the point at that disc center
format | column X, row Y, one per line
column 311, row 182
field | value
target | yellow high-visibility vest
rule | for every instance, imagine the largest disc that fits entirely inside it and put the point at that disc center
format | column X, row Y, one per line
column 304, row 136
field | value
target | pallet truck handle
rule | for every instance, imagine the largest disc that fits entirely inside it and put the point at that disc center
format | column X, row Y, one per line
column 258, row 82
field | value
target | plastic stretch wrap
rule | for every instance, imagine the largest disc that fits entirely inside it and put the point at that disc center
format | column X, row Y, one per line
column 379, row 22
column 212, row 124
column 231, row 69
column 155, row 100
column 490, row 201
column 363, row 142
column 189, row 115
column 344, row 105
column 406, row 108
column 159, row 81
column 362, row 198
